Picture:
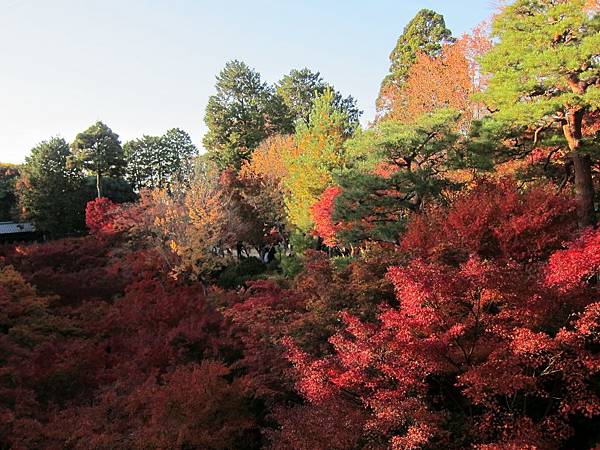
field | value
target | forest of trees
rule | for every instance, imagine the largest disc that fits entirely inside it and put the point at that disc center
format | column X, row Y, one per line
column 428, row 281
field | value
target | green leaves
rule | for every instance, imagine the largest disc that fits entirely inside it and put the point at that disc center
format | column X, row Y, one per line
column 395, row 169
column 50, row 190
column 245, row 110
column 320, row 153
column 98, row 150
column 544, row 50
column 9, row 174
column 241, row 114
column 300, row 88
column 159, row 161
column 425, row 33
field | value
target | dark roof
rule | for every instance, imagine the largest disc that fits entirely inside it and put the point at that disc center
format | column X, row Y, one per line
column 14, row 227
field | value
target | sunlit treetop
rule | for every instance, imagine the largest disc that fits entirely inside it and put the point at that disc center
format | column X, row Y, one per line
column 300, row 88
column 425, row 33
column 546, row 59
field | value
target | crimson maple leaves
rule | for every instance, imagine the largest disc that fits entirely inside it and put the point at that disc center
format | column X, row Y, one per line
column 479, row 329
column 489, row 346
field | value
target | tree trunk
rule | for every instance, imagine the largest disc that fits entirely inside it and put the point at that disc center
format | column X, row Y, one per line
column 584, row 187
column 584, row 190
column 99, row 184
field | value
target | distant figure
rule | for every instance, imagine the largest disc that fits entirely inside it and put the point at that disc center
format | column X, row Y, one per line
column 271, row 254
column 240, row 250
column 267, row 254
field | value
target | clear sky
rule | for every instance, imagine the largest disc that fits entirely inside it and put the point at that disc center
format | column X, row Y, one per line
column 143, row 66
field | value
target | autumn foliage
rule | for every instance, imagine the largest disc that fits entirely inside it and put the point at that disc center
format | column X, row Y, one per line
column 99, row 215
column 322, row 213
column 424, row 283
column 479, row 352
column 446, row 80
column 480, row 329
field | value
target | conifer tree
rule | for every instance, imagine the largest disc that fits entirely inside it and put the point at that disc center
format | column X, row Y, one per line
column 50, row 191
column 545, row 82
column 98, row 151
column 241, row 114
column 396, row 169
column 425, row 33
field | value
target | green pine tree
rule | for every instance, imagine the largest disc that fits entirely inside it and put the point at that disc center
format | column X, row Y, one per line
column 426, row 33
column 243, row 112
column 98, row 151
column 50, row 191
column 545, row 82
column 396, row 169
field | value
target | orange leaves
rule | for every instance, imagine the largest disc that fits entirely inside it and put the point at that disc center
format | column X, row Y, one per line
column 197, row 225
column 322, row 215
column 445, row 81
column 267, row 161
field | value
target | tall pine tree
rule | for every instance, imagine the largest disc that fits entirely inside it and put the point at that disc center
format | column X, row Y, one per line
column 545, row 82
column 243, row 112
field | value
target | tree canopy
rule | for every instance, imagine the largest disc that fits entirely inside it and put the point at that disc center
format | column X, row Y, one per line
column 425, row 281
column 319, row 154
column 425, row 33
column 300, row 88
column 98, row 151
column 50, row 190
column 544, row 82
column 159, row 161
column 9, row 173
column 243, row 112
column 396, row 169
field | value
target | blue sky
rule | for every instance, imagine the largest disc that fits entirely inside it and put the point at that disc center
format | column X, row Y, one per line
column 145, row 66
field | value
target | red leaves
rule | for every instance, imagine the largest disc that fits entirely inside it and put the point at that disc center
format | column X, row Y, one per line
column 192, row 407
column 569, row 268
column 479, row 344
column 99, row 215
column 494, row 220
column 471, row 339
column 464, row 336
column 322, row 212
column 75, row 269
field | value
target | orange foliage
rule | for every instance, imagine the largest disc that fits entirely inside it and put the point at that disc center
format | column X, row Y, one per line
column 446, row 81
column 267, row 160
column 593, row 5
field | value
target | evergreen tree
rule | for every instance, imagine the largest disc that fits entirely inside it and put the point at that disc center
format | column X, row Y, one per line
column 299, row 88
column 544, row 85
column 144, row 163
column 159, row 161
column 9, row 174
column 425, row 33
column 241, row 114
column 181, row 153
column 50, row 191
column 98, row 151
column 396, row 169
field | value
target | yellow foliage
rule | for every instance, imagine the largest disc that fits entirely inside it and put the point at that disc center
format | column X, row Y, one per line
column 196, row 226
column 309, row 170
column 267, row 161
